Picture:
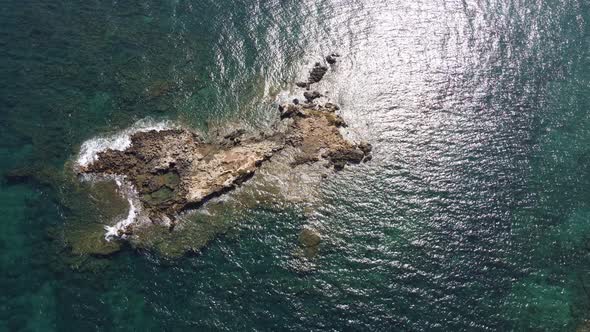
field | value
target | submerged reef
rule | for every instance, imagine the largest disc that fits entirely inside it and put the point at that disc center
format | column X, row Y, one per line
column 165, row 173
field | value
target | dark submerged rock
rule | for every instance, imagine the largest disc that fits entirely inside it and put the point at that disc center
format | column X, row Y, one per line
column 309, row 237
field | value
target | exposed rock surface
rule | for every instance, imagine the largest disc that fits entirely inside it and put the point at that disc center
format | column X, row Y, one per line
column 317, row 73
column 173, row 170
column 176, row 169
column 331, row 58
column 309, row 241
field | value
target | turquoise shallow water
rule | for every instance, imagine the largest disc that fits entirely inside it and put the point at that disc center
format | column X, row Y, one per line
column 473, row 214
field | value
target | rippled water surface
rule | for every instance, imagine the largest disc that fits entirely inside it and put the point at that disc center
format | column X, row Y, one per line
column 474, row 213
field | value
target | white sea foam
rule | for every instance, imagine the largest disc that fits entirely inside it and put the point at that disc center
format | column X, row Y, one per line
column 119, row 141
column 134, row 213
column 113, row 231
column 127, row 191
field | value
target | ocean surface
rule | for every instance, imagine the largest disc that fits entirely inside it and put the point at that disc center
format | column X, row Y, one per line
column 474, row 214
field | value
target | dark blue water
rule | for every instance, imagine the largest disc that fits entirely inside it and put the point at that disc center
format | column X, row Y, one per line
column 473, row 215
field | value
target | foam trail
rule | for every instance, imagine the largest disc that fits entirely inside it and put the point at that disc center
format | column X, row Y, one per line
column 119, row 141
column 128, row 192
column 113, row 231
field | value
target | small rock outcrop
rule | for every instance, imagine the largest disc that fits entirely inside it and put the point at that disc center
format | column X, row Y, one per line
column 317, row 73
column 309, row 241
column 310, row 96
column 331, row 59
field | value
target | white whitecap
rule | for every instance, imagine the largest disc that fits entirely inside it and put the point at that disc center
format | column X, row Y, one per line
column 113, row 231
column 118, row 141
column 127, row 191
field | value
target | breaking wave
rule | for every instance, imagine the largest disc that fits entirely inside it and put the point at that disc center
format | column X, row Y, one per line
column 132, row 216
column 119, row 141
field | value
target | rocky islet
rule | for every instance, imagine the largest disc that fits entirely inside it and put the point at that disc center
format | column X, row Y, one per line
column 176, row 170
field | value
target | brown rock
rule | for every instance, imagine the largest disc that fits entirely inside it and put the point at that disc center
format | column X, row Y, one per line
column 174, row 170
column 365, row 147
column 309, row 237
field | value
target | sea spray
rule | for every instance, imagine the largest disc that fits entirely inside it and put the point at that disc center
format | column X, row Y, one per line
column 118, row 141
column 127, row 191
column 119, row 229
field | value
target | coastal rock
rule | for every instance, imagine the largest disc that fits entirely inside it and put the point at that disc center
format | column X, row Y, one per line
column 169, row 171
column 317, row 73
column 174, row 169
column 309, row 240
column 290, row 111
column 310, row 96
column 366, row 147
column 341, row 157
column 331, row 107
column 234, row 136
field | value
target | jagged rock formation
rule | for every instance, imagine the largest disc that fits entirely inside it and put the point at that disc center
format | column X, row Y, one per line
column 175, row 170
column 317, row 72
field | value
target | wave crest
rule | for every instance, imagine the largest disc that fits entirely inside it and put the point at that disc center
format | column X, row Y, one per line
column 118, row 141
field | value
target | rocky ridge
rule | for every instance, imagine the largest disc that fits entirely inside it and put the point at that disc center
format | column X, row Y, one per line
column 177, row 169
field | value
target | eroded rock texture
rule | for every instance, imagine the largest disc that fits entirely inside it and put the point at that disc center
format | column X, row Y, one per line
column 176, row 169
column 173, row 170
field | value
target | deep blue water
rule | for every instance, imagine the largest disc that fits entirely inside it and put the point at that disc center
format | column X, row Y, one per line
column 473, row 215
